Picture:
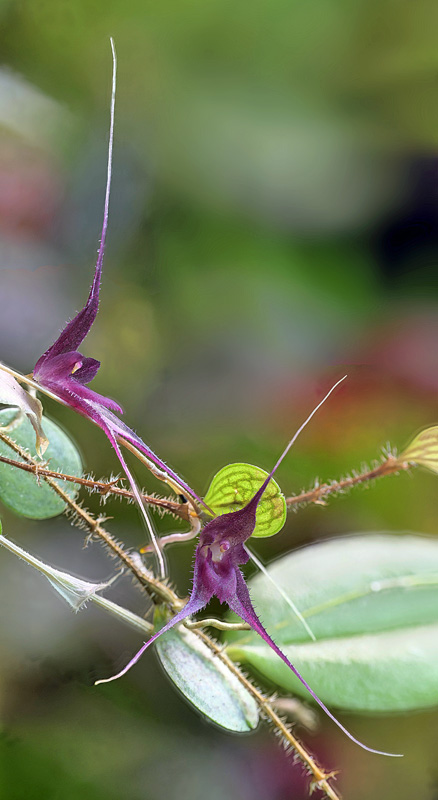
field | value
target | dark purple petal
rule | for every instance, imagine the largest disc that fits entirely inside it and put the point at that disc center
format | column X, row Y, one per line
column 236, row 526
column 59, row 367
column 93, row 398
column 88, row 370
column 217, row 559
column 67, row 365
column 241, row 604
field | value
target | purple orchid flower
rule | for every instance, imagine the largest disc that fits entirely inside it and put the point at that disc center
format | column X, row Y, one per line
column 64, row 371
column 219, row 554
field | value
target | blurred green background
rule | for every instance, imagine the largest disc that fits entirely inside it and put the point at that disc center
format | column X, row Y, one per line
column 273, row 225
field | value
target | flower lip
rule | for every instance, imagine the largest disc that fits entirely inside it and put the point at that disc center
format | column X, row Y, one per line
column 216, row 551
column 65, row 365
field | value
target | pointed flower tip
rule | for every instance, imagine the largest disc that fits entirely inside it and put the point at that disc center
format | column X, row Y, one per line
column 123, row 671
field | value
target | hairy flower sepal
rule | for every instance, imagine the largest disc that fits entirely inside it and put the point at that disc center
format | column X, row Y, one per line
column 219, row 554
column 64, row 371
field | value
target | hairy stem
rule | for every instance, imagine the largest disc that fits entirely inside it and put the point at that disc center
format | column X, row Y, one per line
column 390, row 466
column 320, row 777
column 317, row 495
column 94, row 525
column 102, row 487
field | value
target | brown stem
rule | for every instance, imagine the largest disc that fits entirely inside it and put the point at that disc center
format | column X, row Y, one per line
column 317, row 495
column 94, row 526
column 102, row 487
column 321, row 778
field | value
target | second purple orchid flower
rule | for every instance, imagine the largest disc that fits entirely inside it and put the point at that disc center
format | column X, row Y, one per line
column 219, row 554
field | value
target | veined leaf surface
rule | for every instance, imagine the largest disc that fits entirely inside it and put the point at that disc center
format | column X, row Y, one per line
column 372, row 603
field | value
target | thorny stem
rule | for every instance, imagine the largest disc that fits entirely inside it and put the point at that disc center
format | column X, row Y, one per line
column 390, row 466
column 181, row 510
column 291, row 706
column 95, row 527
column 102, row 487
column 321, row 778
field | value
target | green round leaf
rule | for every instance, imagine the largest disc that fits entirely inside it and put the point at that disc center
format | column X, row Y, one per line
column 371, row 602
column 234, row 486
column 20, row 490
column 204, row 680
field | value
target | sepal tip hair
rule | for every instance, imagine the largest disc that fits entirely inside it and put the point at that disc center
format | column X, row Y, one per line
column 219, row 554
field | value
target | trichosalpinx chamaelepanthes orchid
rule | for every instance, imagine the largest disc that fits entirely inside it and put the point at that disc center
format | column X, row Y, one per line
column 219, row 554
column 64, row 371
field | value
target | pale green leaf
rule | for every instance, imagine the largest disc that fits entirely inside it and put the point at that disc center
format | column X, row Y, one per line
column 372, row 603
column 204, row 680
